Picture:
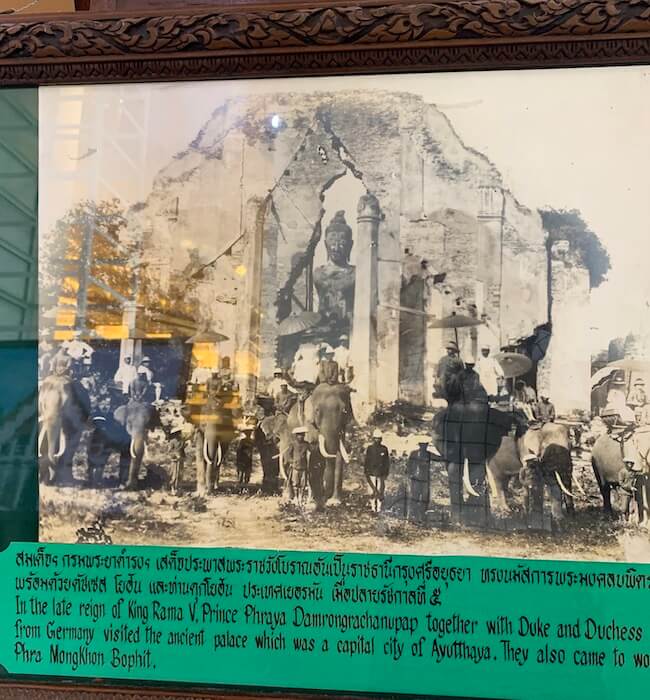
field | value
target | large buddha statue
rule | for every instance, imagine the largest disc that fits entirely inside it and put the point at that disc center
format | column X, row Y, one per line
column 334, row 281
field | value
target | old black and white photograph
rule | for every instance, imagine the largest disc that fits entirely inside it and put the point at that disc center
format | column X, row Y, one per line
column 401, row 314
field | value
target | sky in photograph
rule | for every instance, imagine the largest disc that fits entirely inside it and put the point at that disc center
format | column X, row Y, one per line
column 572, row 138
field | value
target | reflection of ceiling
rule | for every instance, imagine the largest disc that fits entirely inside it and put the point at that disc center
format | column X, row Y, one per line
column 18, row 212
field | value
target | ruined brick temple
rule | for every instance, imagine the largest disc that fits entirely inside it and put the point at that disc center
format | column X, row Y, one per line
column 434, row 230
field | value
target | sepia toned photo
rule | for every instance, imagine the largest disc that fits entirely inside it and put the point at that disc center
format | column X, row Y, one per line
column 400, row 314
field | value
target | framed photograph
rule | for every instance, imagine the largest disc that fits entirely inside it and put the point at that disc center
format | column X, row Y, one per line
column 327, row 349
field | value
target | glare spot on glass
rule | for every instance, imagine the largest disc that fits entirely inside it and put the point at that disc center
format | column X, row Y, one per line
column 275, row 121
column 240, row 270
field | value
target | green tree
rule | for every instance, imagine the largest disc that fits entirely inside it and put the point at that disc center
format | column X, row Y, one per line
column 568, row 225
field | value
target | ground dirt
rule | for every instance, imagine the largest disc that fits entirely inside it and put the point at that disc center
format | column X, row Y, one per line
column 233, row 518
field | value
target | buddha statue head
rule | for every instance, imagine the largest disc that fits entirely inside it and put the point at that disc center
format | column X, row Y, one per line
column 338, row 240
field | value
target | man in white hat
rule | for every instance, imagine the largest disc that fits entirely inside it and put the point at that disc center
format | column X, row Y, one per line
column 279, row 386
column 125, row 374
column 637, row 398
column 342, row 357
column 376, row 468
column 489, row 371
column 328, row 368
column 448, row 365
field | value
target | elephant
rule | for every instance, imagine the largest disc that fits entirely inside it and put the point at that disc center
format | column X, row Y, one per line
column 137, row 417
column 215, row 431
column 467, row 434
column 540, row 457
column 325, row 413
column 64, row 408
column 624, row 464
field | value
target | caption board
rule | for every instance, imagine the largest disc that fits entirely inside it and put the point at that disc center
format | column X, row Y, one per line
column 346, row 622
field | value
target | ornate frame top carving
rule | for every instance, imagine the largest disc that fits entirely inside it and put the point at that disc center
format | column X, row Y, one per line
column 308, row 38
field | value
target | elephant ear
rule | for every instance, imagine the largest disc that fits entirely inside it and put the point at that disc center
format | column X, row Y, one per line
column 120, row 415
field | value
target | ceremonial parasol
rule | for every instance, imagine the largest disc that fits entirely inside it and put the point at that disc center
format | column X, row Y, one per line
column 513, row 364
column 455, row 321
column 206, row 337
column 297, row 323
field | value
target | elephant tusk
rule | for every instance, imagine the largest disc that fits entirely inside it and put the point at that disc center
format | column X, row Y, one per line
column 206, row 454
column 344, row 452
column 321, row 446
column 490, row 478
column 132, row 449
column 562, row 486
column 61, row 444
column 466, row 482
column 41, row 437
column 578, row 484
column 281, row 458
column 219, row 453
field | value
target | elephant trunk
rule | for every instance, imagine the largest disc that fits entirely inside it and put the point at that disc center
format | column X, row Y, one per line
column 323, row 450
column 53, row 432
column 466, row 482
column 564, row 489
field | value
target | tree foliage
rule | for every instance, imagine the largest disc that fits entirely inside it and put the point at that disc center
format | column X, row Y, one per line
column 568, row 225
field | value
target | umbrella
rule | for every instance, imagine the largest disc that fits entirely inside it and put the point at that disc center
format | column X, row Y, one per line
column 206, row 337
column 455, row 321
column 603, row 374
column 630, row 365
column 298, row 323
column 513, row 364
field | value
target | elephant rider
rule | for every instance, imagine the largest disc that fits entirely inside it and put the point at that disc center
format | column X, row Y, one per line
column 125, row 374
column 545, row 409
column 298, row 457
column 376, row 467
column 328, row 368
column 61, row 365
column 525, row 399
column 141, row 389
column 342, row 357
column 279, row 385
column 285, row 398
column 637, row 398
column 489, row 370
column 449, row 365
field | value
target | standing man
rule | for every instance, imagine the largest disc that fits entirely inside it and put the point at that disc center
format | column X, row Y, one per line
column 489, row 371
column 449, row 365
column 298, row 459
column 376, row 468
column 244, row 458
column 419, row 481
column 145, row 368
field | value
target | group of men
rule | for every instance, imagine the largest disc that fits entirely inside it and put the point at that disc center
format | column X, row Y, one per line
column 631, row 408
column 485, row 380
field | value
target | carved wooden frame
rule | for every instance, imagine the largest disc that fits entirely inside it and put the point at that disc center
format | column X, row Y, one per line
column 239, row 38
